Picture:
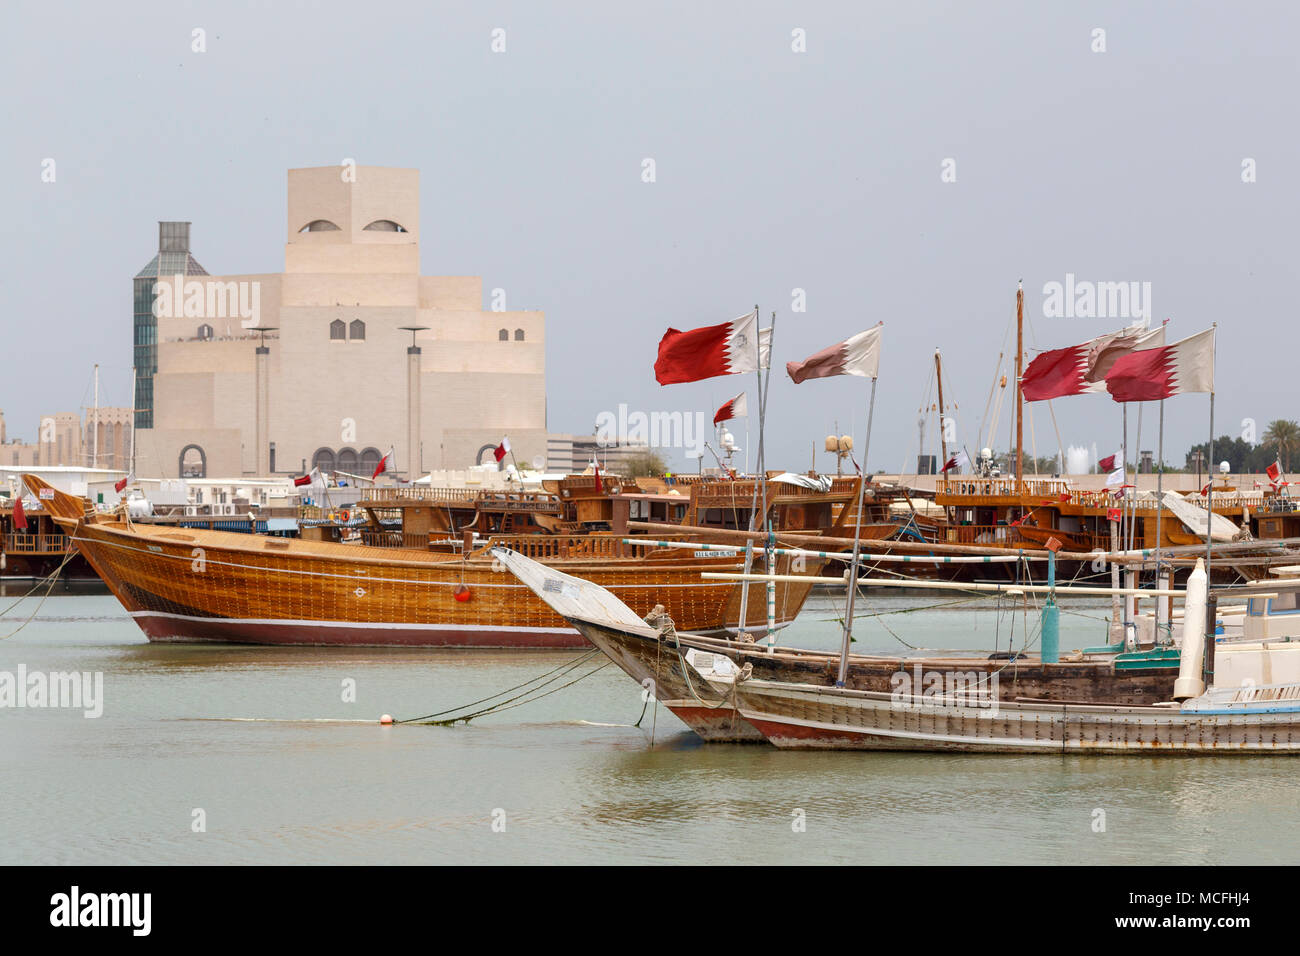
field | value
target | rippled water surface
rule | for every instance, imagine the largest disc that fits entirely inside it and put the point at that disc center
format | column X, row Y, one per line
column 285, row 770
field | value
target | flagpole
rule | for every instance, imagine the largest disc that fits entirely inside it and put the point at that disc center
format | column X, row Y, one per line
column 857, row 537
column 1160, row 511
column 1210, row 624
column 1118, row 606
column 753, row 505
column 770, row 555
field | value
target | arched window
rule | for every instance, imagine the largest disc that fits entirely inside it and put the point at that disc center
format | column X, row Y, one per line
column 348, row 460
column 338, row 330
column 384, row 225
column 319, row 225
column 503, row 335
column 357, row 330
column 323, row 459
column 370, row 460
column 193, row 462
column 205, row 332
column 519, row 335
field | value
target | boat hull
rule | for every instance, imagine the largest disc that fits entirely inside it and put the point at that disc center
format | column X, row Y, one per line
column 194, row 585
column 660, row 669
column 188, row 629
column 805, row 717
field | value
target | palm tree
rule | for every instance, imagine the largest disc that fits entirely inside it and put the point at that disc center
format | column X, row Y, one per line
column 1283, row 437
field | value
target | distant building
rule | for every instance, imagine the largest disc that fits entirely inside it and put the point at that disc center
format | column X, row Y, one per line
column 65, row 439
column 348, row 352
column 574, row 454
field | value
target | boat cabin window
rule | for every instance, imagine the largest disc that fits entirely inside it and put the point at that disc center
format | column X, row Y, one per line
column 1284, row 603
column 1257, row 607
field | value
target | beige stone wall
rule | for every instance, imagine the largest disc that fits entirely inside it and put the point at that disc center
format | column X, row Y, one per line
column 336, row 394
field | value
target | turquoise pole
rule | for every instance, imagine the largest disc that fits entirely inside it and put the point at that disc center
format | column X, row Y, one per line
column 1051, row 637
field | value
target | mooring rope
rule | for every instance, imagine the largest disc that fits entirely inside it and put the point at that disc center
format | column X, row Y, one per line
column 533, row 684
column 51, row 577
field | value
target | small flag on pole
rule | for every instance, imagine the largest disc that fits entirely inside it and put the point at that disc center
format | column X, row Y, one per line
column 383, row 464
column 737, row 407
column 120, row 486
column 1108, row 463
column 502, row 449
column 725, row 349
column 1115, row 479
column 959, row 460
column 20, row 516
column 858, row 355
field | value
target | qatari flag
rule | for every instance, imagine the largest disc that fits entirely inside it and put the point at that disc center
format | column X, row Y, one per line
column 737, row 407
column 1153, row 374
column 859, row 355
column 1081, row 369
column 726, row 349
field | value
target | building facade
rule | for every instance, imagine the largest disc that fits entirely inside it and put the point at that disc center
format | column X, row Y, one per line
column 102, row 440
column 345, row 354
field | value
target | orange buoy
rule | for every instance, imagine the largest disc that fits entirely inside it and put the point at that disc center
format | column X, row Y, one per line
column 461, row 593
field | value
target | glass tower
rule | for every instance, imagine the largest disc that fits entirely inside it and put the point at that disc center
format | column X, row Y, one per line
column 173, row 259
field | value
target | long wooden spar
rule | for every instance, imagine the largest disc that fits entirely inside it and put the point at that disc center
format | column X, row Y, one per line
column 917, row 547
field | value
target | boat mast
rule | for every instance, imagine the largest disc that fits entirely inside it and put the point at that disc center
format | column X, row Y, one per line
column 132, row 468
column 94, row 440
column 943, row 438
column 1020, row 358
column 852, row 580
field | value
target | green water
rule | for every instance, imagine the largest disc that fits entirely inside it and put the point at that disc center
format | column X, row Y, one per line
column 286, row 771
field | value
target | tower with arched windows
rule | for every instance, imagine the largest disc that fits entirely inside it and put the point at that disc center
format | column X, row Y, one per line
column 319, row 360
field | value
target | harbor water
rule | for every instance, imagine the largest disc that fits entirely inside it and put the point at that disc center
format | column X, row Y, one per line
column 260, row 755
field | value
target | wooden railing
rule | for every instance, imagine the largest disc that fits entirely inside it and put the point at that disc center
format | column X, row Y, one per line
column 18, row 543
column 377, row 495
column 992, row 535
column 542, row 546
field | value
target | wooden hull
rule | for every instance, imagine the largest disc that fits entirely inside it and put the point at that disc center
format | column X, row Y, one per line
column 806, row 717
column 660, row 668
column 196, row 585
column 708, row 708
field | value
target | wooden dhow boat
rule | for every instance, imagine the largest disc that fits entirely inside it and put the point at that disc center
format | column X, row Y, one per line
column 189, row 584
column 1244, row 698
column 695, row 676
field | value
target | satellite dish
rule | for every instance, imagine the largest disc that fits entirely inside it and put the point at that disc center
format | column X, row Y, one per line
column 539, row 462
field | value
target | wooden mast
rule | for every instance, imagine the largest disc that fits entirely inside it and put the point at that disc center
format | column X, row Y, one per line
column 943, row 438
column 1020, row 408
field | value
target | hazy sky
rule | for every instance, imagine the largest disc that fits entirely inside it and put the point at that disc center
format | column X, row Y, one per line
column 775, row 170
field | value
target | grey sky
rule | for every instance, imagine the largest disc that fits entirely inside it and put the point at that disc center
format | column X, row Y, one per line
column 775, row 170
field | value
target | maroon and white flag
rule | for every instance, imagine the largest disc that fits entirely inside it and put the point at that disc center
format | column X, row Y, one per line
column 501, row 450
column 737, row 407
column 1153, row 374
column 312, row 478
column 20, row 516
column 1274, row 472
column 383, row 464
column 859, row 355
column 1081, row 369
column 726, row 349
column 120, row 485
column 959, row 460
column 1108, row 463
